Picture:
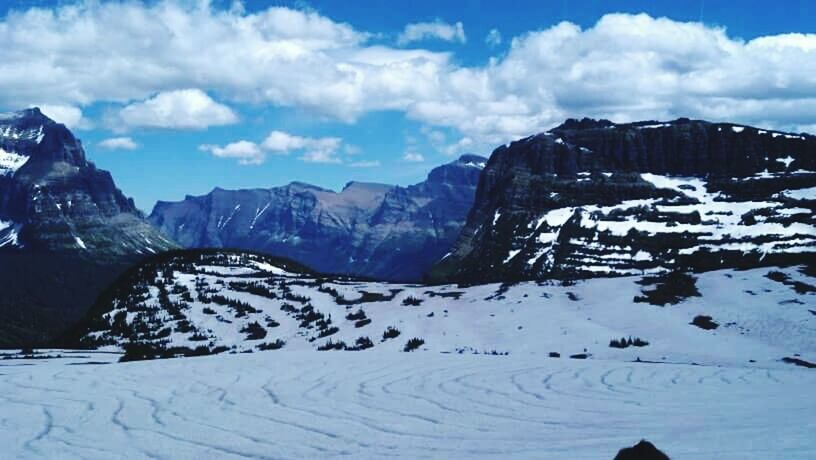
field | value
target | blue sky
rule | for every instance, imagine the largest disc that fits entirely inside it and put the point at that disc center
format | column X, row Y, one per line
column 177, row 97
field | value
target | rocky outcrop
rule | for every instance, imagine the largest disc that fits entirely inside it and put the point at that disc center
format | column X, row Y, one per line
column 644, row 450
column 373, row 230
column 592, row 198
column 65, row 229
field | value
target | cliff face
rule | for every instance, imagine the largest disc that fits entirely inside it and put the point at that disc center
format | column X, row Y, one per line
column 53, row 199
column 374, row 230
column 65, row 229
column 592, row 198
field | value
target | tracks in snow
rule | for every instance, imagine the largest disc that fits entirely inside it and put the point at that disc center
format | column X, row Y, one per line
column 372, row 405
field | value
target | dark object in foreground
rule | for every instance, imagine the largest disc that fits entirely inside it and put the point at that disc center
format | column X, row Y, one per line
column 644, row 450
column 799, row 362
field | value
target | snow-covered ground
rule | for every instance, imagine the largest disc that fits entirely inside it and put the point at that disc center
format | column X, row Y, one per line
column 561, row 391
column 377, row 404
column 761, row 320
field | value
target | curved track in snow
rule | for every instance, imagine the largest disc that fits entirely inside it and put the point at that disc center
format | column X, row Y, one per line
column 422, row 405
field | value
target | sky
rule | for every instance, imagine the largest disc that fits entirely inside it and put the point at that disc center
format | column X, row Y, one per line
column 177, row 97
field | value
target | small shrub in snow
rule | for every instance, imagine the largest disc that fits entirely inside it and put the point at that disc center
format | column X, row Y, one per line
column 208, row 311
column 288, row 308
column 777, row 276
column 625, row 343
column 357, row 315
column 413, row 344
column 328, row 331
column 669, row 289
column 412, row 301
column 330, row 345
column 184, row 327
column 198, row 337
column 137, row 351
column 254, row 331
column 362, row 343
column 362, row 322
column 276, row 345
column 391, row 333
column 704, row 322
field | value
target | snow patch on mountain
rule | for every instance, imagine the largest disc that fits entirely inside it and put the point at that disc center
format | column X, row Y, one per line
column 10, row 162
column 9, row 233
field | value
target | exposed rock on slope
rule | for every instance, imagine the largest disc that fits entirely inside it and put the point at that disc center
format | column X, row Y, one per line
column 375, row 230
column 593, row 198
column 65, row 229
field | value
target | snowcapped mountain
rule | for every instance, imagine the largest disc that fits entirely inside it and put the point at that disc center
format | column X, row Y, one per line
column 52, row 198
column 375, row 230
column 202, row 302
column 595, row 198
column 65, row 229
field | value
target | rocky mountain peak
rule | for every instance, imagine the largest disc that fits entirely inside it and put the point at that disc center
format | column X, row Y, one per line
column 64, row 225
column 40, row 140
column 592, row 197
column 463, row 171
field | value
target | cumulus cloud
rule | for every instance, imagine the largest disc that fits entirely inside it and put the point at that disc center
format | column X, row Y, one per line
column 315, row 150
column 413, row 157
column 180, row 109
column 118, row 143
column 68, row 115
column 246, row 152
column 493, row 38
column 438, row 30
column 624, row 67
column 463, row 145
column 311, row 149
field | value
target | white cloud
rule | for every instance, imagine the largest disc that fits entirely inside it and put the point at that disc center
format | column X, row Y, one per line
column 365, row 164
column 463, row 145
column 493, row 38
column 624, row 67
column 180, row 109
column 246, row 152
column 320, row 156
column 118, row 143
column 315, row 150
column 432, row 30
column 413, row 157
column 68, row 115
column 312, row 149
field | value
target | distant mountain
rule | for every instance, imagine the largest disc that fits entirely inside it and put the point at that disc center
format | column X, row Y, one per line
column 595, row 198
column 65, row 229
column 374, row 230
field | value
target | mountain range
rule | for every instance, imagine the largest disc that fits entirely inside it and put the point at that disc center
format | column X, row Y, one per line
column 372, row 230
column 587, row 199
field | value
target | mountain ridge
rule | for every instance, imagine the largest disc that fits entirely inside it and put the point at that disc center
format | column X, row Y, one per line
column 595, row 198
column 369, row 229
